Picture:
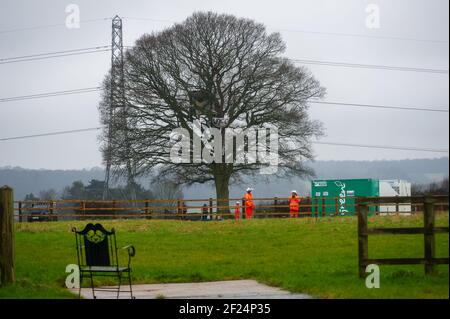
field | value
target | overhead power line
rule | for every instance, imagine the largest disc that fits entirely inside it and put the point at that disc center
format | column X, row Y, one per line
column 149, row 19
column 401, row 148
column 422, row 109
column 50, row 134
column 104, row 48
column 49, row 26
column 364, row 66
column 50, row 94
column 97, row 88
column 55, row 54
column 370, row 66
column 368, row 36
column 340, row 34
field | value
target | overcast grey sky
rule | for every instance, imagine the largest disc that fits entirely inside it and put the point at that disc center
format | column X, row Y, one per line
column 412, row 19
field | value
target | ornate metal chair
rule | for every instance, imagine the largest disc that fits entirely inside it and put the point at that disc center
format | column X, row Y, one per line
column 97, row 255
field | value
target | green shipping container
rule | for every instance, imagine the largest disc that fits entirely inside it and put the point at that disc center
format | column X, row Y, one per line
column 338, row 195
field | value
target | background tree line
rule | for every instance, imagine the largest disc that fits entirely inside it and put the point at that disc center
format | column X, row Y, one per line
column 94, row 191
column 433, row 188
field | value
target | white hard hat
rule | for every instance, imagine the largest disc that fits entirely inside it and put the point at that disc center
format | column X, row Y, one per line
column 238, row 202
column 249, row 189
column 294, row 191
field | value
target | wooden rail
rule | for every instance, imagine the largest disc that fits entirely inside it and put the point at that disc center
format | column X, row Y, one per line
column 194, row 208
column 428, row 230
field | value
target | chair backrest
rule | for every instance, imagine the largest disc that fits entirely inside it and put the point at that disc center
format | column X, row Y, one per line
column 96, row 246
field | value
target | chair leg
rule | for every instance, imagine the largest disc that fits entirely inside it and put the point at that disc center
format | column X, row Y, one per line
column 92, row 286
column 81, row 283
column 131, row 286
column 120, row 281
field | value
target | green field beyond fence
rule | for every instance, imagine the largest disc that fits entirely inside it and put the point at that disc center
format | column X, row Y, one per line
column 317, row 256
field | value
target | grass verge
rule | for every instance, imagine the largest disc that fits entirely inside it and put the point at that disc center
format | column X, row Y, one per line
column 317, row 257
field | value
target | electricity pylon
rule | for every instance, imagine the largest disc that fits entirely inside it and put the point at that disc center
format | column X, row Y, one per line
column 117, row 120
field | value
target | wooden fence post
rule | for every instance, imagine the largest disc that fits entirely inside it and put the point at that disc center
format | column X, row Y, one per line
column 52, row 216
column 83, row 209
column 363, row 242
column 114, row 212
column 243, row 209
column 324, row 208
column 148, row 216
column 275, row 203
column 20, row 212
column 210, row 209
column 429, row 238
column 336, row 206
column 7, row 271
column 317, row 207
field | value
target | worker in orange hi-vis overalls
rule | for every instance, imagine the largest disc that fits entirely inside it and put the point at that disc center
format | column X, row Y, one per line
column 249, row 204
column 294, row 204
column 237, row 210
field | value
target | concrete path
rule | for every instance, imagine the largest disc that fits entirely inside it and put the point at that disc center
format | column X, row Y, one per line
column 234, row 289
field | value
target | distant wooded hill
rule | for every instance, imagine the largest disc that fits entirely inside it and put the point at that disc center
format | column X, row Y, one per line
column 25, row 181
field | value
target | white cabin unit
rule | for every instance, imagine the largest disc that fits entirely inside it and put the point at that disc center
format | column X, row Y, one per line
column 395, row 187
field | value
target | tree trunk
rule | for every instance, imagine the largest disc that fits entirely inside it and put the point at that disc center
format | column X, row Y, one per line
column 222, row 192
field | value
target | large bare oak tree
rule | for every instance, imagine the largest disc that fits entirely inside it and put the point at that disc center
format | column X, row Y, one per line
column 211, row 66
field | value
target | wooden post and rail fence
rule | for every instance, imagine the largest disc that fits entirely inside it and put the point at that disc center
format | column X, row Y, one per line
column 194, row 208
column 429, row 260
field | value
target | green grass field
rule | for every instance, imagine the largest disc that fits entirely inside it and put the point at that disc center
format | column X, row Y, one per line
column 318, row 257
